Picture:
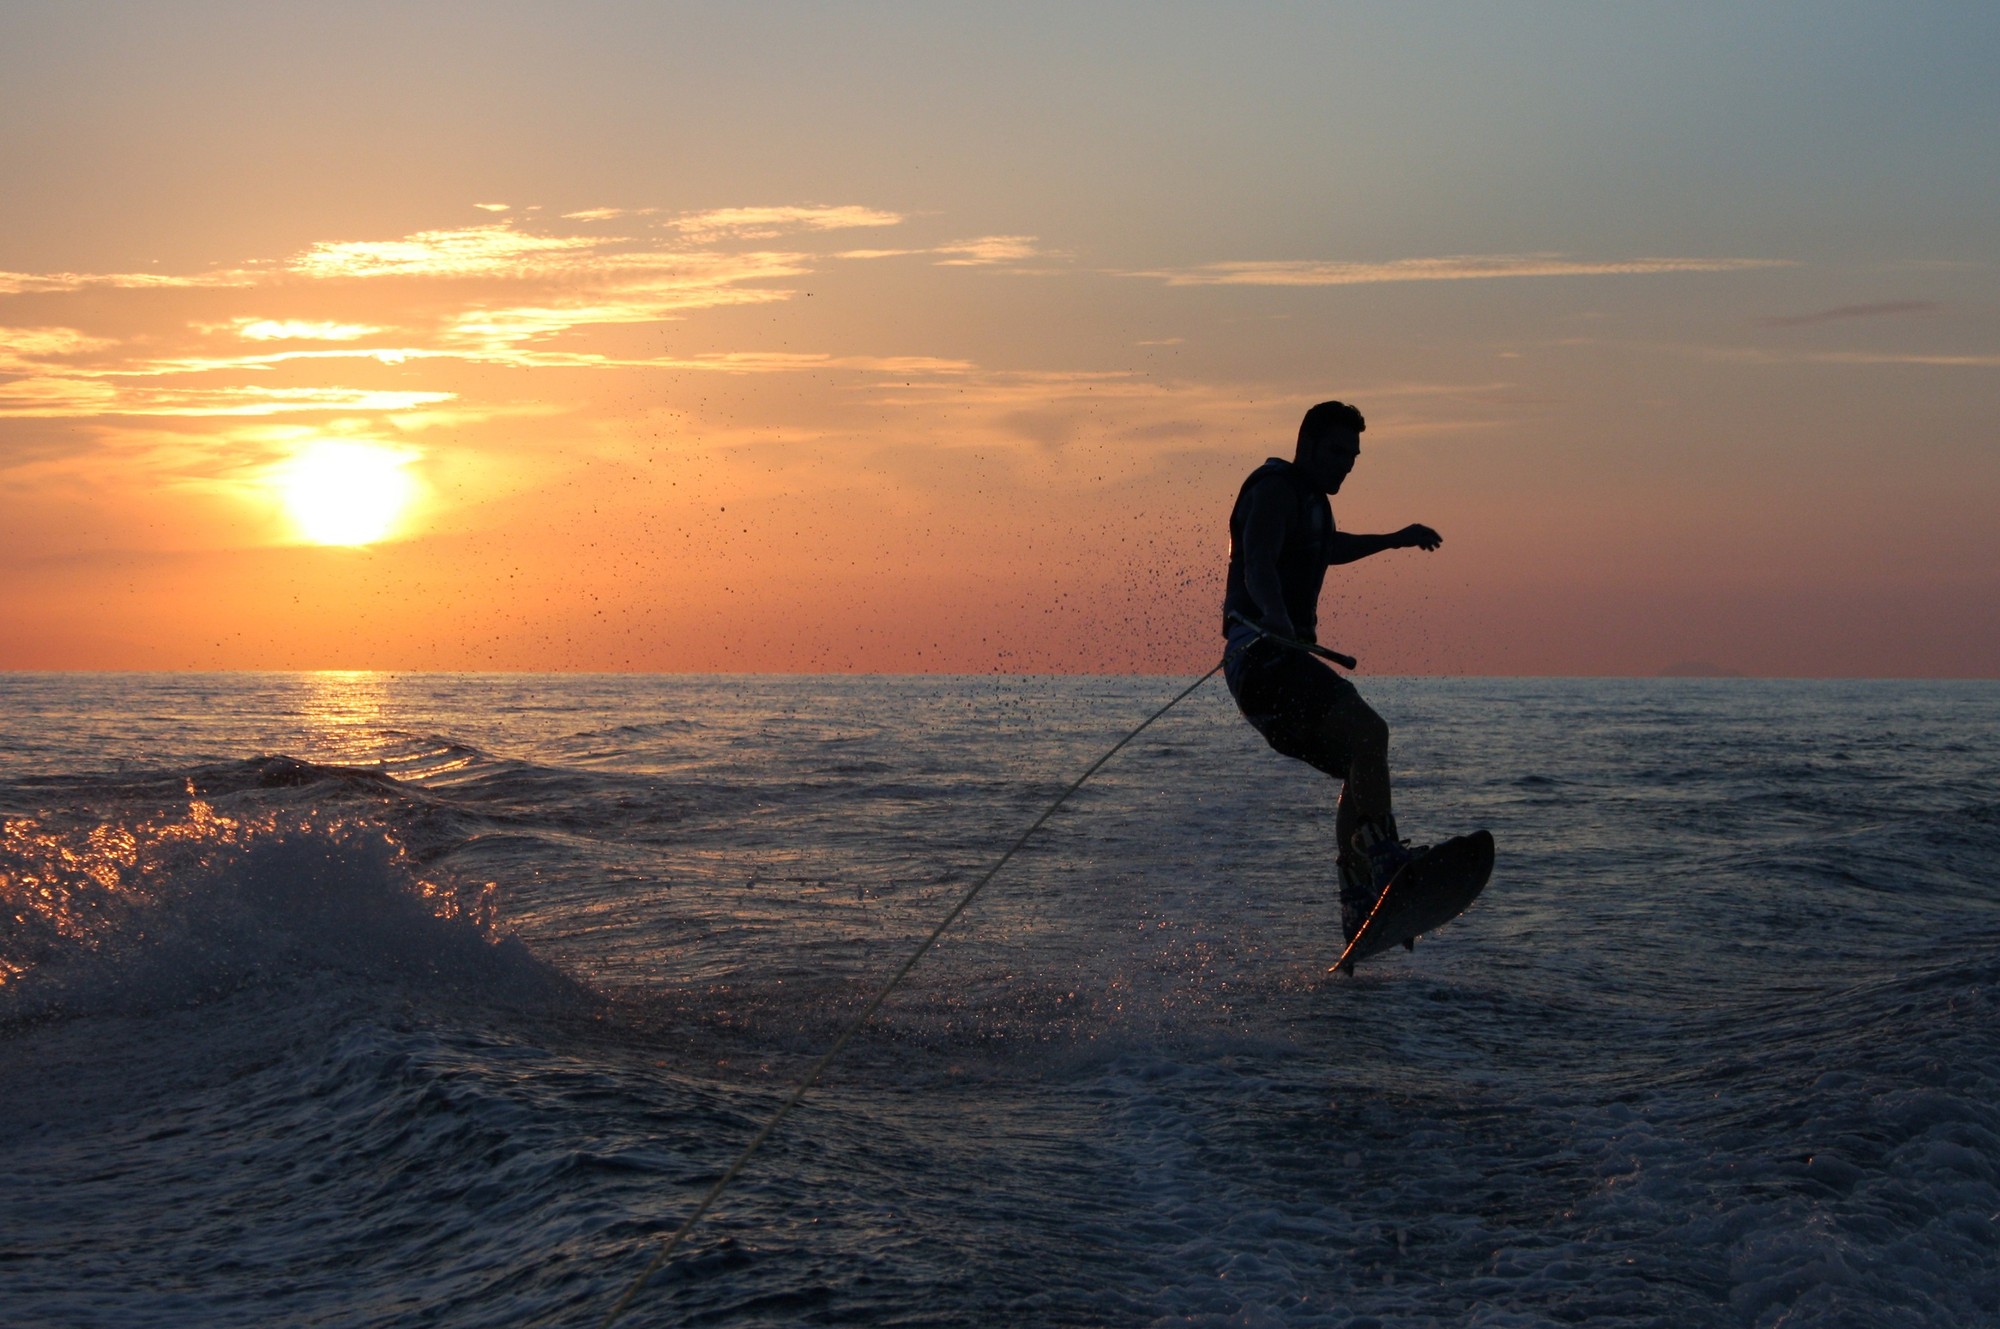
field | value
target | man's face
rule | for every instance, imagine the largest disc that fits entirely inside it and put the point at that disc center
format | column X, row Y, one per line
column 1329, row 458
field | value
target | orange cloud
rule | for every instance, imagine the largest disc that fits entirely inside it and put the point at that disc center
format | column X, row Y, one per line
column 21, row 348
column 522, row 289
column 761, row 223
column 38, row 283
column 81, row 397
column 606, row 214
column 297, row 329
column 987, row 249
column 472, row 251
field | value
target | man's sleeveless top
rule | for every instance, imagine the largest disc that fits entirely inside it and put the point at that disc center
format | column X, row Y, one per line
column 1301, row 557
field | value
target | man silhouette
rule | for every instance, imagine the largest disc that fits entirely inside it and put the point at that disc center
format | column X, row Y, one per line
column 1281, row 541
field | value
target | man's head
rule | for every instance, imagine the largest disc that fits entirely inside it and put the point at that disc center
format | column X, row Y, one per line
column 1329, row 441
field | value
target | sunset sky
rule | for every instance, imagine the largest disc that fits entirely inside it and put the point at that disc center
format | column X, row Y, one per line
column 915, row 338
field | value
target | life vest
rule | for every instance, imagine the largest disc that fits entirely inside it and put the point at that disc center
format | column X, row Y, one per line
column 1301, row 557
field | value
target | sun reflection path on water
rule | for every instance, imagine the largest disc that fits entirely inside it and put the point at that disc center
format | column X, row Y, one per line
column 344, row 712
column 360, row 718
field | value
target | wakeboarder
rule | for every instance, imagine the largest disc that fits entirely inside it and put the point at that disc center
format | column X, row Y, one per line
column 1281, row 541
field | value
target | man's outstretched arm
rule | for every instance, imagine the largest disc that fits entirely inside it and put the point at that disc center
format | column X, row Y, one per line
column 1345, row 547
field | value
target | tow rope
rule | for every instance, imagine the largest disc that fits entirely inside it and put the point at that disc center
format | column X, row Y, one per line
column 854, row 1025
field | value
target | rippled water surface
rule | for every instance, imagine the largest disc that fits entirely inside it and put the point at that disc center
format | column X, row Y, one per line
column 439, row 999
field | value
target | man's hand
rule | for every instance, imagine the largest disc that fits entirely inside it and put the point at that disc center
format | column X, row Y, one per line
column 1418, row 536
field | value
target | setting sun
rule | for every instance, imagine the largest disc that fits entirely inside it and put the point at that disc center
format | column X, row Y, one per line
column 340, row 493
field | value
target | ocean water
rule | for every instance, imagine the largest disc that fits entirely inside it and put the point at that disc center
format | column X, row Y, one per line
column 439, row 999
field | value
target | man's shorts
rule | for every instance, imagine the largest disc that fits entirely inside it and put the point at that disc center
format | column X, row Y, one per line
column 1301, row 707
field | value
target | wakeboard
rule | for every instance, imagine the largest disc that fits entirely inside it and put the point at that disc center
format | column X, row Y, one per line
column 1429, row 892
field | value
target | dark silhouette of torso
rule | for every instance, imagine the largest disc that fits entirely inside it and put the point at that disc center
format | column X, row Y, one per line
column 1301, row 557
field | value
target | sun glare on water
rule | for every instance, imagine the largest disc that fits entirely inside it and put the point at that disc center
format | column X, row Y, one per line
column 340, row 493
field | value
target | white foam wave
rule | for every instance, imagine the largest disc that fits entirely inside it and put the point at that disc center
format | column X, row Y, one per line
column 139, row 910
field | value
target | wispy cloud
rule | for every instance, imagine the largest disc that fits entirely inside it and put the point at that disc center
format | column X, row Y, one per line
column 38, row 283
column 22, row 348
column 211, row 364
column 1906, row 358
column 274, row 401
column 1841, row 312
column 297, row 329
column 762, row 223
column 70, row 396
column 628, row 288
column 501, row 293
column 606, row 214
column 793, row 362
column 984, row 251
column 1455, row 267
column 1863, row 357
column 472, row 251
column 1765, row 355
column 987, row 249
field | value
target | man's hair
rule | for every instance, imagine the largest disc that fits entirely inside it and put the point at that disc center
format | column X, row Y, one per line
column 1330, row 417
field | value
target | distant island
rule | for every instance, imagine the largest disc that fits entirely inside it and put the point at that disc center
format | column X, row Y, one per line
column 1698, row 669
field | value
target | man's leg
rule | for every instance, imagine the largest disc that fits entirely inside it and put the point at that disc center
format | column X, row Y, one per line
column 1308, row 712
column 1363, row 817
column 1364, row 796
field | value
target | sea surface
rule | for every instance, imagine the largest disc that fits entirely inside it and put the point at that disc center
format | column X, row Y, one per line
column 375, row 999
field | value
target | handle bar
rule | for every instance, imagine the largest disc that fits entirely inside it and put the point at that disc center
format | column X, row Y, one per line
column 1310, row 648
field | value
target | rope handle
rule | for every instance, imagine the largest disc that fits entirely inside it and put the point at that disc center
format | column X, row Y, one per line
column 1310, row 648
